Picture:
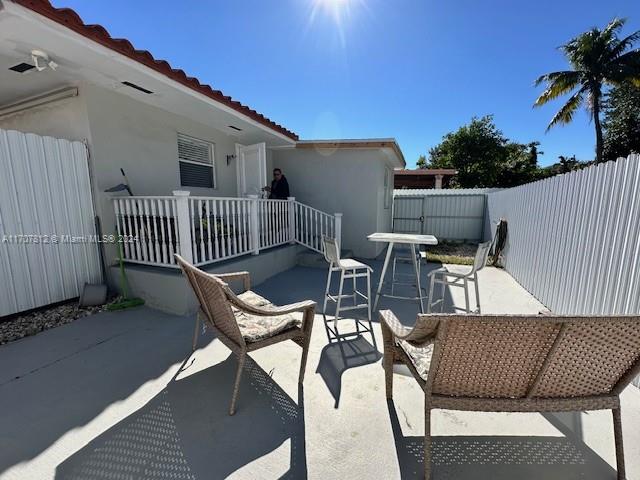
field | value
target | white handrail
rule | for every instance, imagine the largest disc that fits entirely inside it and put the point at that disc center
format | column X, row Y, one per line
column 312, row 224
column 205, row 230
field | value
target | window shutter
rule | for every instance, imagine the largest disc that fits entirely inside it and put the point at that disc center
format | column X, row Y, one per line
column 194, row 150
column 196, row 162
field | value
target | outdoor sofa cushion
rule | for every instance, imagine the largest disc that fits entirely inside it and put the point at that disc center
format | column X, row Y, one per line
column 257, row 327
column 420, row 357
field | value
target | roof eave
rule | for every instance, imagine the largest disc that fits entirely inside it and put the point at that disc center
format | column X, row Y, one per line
column 369, row 143
column 69, row 19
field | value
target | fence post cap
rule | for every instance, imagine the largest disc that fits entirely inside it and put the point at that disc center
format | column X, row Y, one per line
column 252, row 196
column 181, row 193
column 337, row 214
column 291, row 199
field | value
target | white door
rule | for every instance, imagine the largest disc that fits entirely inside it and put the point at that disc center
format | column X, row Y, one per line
column 252, row 168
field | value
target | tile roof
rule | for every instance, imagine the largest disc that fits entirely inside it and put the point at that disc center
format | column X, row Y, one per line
column 427, row 171
column 70, row 19
column 355, row 143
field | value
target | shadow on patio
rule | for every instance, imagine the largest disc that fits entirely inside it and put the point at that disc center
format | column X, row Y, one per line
column 103, row 398
column 185, row 432
column 62, row 379
column 499, row 457
column 339, row 356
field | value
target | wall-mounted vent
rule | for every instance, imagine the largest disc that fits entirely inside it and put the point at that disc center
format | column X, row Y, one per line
column 22, row 67
column 137, row 87
column 235, row 128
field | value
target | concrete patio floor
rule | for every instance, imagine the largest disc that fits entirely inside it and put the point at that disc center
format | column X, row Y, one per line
column 118, row 395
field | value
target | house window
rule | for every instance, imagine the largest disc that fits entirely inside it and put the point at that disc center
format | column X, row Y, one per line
column 196, row 162
column 388, row 187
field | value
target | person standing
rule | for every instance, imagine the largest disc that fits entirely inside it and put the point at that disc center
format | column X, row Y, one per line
column 279, row 189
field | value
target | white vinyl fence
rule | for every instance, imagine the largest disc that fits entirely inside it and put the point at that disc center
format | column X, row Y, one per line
column 574, row 239
column 48, row 249
column 211, row 229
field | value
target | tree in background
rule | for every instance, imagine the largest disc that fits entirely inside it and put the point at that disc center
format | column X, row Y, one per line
column 520, row 165
column 622, row 121
column 484, row 157
column 475, row 150
column 598, row 58
column 563, row 165
column 421, row 162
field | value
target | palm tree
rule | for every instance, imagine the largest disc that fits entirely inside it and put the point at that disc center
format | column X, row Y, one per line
column 598, row 58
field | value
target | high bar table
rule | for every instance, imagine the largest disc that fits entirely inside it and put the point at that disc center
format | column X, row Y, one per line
column 411, row 239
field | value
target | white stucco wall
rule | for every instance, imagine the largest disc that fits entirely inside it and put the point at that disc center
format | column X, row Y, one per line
column 129, row 134
column 62, row 119
column 348, row 181
column 125, row 133
column 142, row 140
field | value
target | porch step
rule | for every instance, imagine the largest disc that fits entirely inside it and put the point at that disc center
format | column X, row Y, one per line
column 309, row 258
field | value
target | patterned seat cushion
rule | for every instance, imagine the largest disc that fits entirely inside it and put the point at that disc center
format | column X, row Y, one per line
column 256, row 327
column 252, row 298
column 419, row 356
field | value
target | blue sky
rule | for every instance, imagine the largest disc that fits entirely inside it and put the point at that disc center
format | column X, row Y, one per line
column 413, row 70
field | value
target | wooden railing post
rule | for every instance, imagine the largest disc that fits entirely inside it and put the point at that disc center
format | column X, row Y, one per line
column 338, row 228
column 292, row 219
column 254, row 225
column 184, row 224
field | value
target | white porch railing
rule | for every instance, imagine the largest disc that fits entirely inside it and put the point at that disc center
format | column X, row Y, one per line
column 220, row 228
column 150, row 228
column 312, row 224
column 273, row 218
column 211, row 229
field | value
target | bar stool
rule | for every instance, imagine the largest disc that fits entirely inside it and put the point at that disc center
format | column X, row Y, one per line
column 349, row 269
column 442, row 276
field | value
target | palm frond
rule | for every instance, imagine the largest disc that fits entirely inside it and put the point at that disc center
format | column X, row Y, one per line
column 596, row 57
column 612, row 28
column 625, row 67
column 586, row 50
column 565, row 114
column 559, row 85
column 625, row 43
column 549, row 77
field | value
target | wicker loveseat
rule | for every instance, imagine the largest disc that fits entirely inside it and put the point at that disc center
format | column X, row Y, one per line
column 534, row 363
column 247, row 322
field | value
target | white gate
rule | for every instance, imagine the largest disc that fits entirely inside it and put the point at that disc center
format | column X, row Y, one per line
column 447, row 214
column 408, row 216
column 47, row 245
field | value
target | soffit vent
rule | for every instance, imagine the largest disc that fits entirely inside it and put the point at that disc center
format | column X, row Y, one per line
column 22, row 67
column 137, row 87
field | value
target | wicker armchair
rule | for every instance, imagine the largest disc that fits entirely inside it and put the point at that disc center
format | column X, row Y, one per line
column 247, row 322
column 516, row 364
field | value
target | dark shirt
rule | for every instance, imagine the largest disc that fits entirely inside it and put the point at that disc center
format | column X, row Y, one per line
column 279, row 189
